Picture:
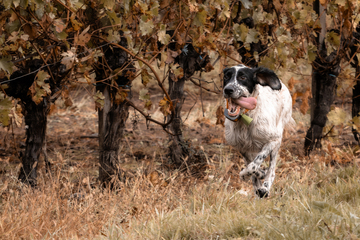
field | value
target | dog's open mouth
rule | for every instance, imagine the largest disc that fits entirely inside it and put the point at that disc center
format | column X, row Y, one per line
column 234, row 105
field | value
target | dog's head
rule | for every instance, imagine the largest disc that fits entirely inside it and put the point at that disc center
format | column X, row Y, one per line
column 240, row 81
column 239, row 84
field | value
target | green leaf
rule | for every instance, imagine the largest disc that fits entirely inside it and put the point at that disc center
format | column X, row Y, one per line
column 145, row 77
column 240, row 32
column 252, row 36
column 5, row 106
column 146, row 26
column 283, row 35
column 108, row 4
column 268, row 62
column 163, row 37
column 333, row 38
column 311, row 52
column 113, row 36
column 61, row 36
column 39, row 9
column 148, row 104
column 13, row 26
column 6, row 64
column 258, row 15
column 144, row 94
column 154, row 10
column 115, row 20
column 200, row 18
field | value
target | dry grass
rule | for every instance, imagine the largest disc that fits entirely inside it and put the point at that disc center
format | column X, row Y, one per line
column 315, row 203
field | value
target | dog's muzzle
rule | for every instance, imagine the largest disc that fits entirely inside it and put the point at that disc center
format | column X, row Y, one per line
column 235, row 115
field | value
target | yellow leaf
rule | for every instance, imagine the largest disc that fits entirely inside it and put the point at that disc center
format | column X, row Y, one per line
column 337, row 116
column 165, row 106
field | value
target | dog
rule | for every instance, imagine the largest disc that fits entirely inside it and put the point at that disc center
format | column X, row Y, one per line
column 259, row 108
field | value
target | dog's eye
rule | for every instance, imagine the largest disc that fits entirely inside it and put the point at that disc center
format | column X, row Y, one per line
column 242, row 78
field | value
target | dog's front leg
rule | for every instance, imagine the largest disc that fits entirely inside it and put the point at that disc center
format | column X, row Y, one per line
column 253, row 168
column 270, row 175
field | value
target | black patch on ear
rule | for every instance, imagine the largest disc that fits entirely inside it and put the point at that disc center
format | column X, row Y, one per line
column 267, row 77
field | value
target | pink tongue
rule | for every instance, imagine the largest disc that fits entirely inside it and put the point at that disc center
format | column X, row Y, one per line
column 248, row 103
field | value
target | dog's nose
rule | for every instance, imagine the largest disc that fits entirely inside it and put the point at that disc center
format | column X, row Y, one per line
column 228, row 91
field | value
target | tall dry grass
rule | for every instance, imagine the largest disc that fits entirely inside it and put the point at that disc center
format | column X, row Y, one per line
column 319, row 203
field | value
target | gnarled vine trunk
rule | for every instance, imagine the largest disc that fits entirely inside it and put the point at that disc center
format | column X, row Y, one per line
column 325, row 70
column 112, row 119
column 190, row 61
column 323, row 91
column 178, row 148
column 35, row 120
column 113, row 115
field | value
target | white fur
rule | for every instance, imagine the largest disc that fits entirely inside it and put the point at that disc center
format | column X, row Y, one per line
column 263, row 136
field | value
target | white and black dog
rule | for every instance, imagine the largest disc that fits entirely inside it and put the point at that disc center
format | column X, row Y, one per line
column 259, row 107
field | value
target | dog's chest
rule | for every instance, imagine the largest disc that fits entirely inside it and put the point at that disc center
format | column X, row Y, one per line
column 244, row 137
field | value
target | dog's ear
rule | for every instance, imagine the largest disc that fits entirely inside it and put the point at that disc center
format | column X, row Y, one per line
column 267, row 77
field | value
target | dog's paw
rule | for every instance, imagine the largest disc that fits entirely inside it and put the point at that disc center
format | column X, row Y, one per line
column 262, row 192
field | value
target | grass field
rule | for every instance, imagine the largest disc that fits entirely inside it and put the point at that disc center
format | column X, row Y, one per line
column 314, row 197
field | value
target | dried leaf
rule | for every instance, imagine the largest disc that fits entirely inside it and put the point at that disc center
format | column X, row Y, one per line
column 99, row 100
column 5, row 106
column 337, row 116
column 120, row 96
column 83, row 37
column 40, row 88
column 220, row 117
column 165, row 106
column 144, row 94
column 6, row 64
column 148, row 104
column 59, row 25
column 69, row 58
column 163, row 37
column 291, row 83
column 305, row 102
column 146, row 26
column 16, row 115
column 145, row 77
column 200, row 18
column 154, row 178
column 209, row 67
